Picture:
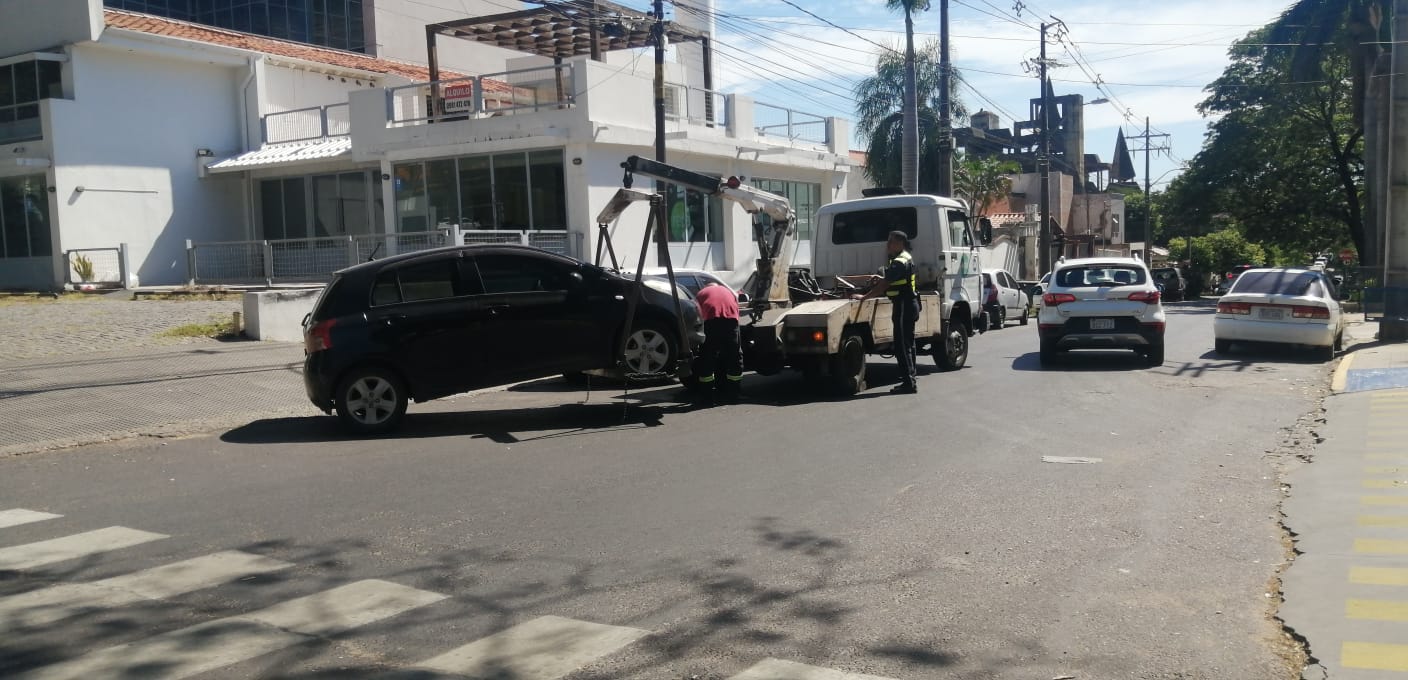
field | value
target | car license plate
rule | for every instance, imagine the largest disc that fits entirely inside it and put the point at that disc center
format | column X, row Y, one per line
column 1102, row 324
column 1273, row 314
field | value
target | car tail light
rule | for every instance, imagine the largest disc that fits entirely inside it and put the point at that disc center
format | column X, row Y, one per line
column 1309, row 312
column 818, row 337
column 319, row 336
column 1150, row 297
column 1234, row 308
column 992, row 296
column 1057, row 299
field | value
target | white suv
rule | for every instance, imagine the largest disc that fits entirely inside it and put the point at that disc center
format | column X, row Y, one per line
column 1102, row 303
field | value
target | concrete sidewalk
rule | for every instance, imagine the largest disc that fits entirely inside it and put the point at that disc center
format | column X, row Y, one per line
column 89, row 368
column 1346, row 593
column 67, row 401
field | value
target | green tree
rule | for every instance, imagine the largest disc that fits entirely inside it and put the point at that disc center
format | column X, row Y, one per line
column 880, row 117
column 1283, row 160
column 1326, row 32
column 982, row 181
column 1220, row 251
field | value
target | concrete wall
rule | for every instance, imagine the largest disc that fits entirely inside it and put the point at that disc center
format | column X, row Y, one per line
column 284, row 88
column 135, row 157
column 277, row 315
column 33, row 25
column 397, row 31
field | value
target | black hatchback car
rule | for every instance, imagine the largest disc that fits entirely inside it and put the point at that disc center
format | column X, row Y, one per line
column 433, row 323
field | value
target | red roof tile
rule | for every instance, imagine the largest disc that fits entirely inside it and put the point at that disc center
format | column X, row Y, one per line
column 146, row 23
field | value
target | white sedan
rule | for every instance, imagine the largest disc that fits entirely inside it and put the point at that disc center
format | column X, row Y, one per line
column 1281, row 305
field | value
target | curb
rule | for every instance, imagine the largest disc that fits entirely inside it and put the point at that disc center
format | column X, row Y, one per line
column 1341, row 374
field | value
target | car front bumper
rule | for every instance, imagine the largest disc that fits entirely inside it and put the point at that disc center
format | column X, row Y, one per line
column 1249, row 330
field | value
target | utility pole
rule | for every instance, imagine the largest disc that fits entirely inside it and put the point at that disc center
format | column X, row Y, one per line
column 1395, row 244
column 1148, row 187
column 945, row 106
column 659, row 31
column 1043, row 162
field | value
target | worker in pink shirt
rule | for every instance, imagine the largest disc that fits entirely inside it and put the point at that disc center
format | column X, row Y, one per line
column 723, row 351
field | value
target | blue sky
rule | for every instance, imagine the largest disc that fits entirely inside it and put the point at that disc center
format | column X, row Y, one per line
column 1154, row 57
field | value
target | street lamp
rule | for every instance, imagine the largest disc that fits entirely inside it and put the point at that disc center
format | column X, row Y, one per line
column 1149, row 215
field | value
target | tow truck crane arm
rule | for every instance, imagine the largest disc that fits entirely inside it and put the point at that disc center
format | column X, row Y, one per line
column 773, row 238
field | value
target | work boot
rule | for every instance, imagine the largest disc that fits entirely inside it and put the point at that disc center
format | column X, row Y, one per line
column 905, row 389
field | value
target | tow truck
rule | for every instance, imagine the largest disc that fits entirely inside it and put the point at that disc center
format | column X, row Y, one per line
column 807, row 319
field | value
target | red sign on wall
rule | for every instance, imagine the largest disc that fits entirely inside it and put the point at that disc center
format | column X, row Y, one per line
column 1347, row 255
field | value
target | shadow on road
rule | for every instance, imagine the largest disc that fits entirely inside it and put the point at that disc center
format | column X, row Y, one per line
column 504, row 426
column 1083, row 361
column 788, row 591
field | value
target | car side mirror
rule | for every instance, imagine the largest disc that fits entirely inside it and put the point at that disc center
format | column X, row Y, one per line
column 985, row 230
column 575, row 280
column 743, row 299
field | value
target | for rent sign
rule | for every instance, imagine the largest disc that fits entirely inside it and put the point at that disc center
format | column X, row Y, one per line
column 458, row 97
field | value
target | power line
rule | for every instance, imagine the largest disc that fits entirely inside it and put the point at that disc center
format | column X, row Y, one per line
column 829, row 23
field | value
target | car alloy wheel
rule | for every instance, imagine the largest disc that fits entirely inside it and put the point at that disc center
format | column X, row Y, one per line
column 648, row 350
column 371, row 400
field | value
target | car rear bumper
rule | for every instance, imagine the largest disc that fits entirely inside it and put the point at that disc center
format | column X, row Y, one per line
column 1062, row 338
column 316, row 382
column 1291, row 333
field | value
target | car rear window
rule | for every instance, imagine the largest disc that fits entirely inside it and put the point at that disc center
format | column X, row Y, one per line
column 1278, row 283
column 1101, row 275
column 873, row 226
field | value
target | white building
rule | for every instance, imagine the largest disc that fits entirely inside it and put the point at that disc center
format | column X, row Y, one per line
column 119, row 127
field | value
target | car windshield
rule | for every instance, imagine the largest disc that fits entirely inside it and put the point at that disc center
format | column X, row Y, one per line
column 1101, row 275
column 1276, row 282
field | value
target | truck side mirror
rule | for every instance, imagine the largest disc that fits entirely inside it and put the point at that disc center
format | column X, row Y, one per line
column 985, row 230
column 743, row 298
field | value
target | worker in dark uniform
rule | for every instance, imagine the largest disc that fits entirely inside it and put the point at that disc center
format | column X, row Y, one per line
column 723, row 352
column 899, row 286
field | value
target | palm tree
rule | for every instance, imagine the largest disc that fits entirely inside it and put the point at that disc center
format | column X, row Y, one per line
column 909, row 158
column 880, row 117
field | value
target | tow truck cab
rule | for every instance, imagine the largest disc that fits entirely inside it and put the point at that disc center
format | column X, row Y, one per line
column 850, row 240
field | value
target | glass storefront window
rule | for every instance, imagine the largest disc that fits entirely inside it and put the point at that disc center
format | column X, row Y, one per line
column 344, row 204
column 441, row 188
column 511, row 191
column 549, row 189
column 476, row 193
column 519, row 191
column 412, row 213
column 24, row 217
column 693, row 217
column 22, row 85
column 804, row 196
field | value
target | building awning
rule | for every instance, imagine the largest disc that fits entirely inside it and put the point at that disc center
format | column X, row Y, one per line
column 560, row 30
column 278, row 155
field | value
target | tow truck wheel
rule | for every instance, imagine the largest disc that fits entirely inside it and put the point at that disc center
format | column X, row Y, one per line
column 952, row 353
column 848, row 368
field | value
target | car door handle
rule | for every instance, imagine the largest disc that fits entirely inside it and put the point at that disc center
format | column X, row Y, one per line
column 495, row 309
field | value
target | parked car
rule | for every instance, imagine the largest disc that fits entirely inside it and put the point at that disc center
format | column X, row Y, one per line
column 1281, row 305
column 692, row 280
column 433, row 323
column 1102, row 303
column 1170, row 282
column 1003, row 298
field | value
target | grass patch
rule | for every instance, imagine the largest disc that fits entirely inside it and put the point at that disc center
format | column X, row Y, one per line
column 214, row 329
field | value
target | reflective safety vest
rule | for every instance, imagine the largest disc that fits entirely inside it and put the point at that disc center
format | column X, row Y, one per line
column 902, row 288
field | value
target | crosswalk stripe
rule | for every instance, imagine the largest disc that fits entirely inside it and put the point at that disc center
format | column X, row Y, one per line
column 1378, row 576
column 18, row 516
column 1383, row 500
column 31, row 555
column 1383, row 521
column 1376, row 610
column 1374, row 656
column 545, row 648
column 777, row 669
column 1386, row 470
column 215, row 644
column 1385, row 484
column 1381, row 546
column 40, row 607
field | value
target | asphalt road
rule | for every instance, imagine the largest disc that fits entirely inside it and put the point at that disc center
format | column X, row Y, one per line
column 903, row 537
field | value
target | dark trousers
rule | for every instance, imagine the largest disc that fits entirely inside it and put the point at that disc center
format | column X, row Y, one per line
column 722, row 356
column 903, row 315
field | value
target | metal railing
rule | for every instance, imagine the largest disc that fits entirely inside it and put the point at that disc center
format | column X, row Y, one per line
column 493, row 94
column 301, row 260
column 109, row 267
column 23, row 130
column 301, row 125
column 696, row 105
column 796, row 126
column 313, row 260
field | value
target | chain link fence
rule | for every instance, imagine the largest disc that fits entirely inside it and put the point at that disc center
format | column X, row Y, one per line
column 313, row 260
